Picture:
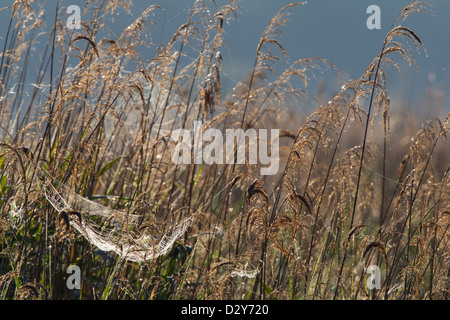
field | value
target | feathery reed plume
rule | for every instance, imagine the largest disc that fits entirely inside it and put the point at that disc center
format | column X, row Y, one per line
column 87, row 177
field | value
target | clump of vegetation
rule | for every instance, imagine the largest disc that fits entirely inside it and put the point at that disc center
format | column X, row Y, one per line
column 86, row 177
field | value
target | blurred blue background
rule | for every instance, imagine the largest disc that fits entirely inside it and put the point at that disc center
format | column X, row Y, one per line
column 329, row 29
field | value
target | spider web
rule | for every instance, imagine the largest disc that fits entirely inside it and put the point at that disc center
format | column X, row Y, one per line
column 116, row 233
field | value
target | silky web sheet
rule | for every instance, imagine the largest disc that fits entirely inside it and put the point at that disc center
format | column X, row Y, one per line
column 114, row 236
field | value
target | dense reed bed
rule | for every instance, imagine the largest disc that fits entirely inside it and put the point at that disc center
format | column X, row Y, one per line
column 86, row 176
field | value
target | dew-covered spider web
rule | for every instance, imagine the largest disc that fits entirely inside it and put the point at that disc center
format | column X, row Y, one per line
column 109, row 229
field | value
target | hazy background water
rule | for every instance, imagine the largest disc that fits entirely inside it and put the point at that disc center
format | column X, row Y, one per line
column 330, row 29
column 336, row 30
